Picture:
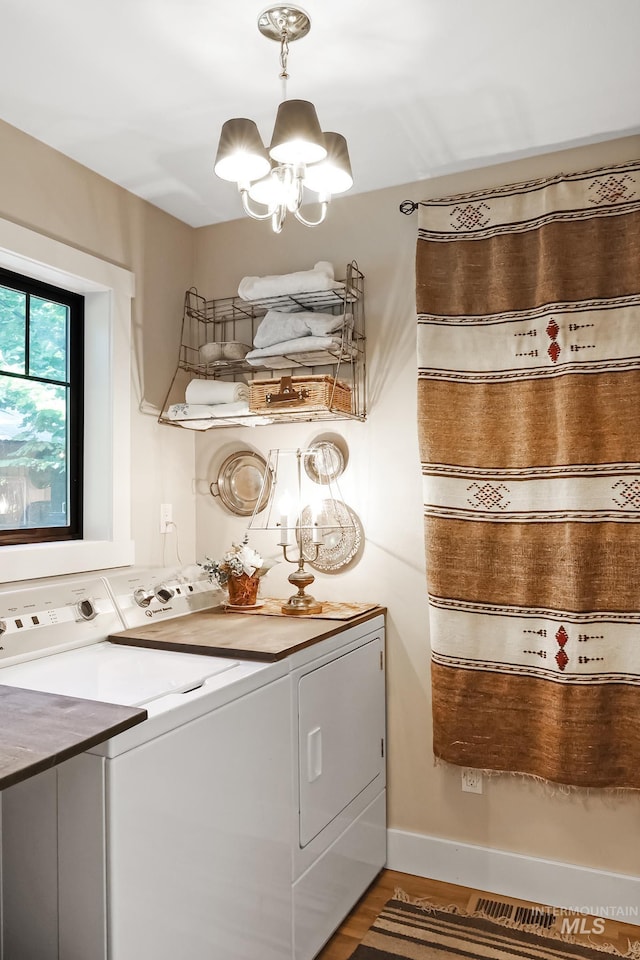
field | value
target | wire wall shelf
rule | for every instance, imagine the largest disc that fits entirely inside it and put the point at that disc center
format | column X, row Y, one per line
column 304, row 385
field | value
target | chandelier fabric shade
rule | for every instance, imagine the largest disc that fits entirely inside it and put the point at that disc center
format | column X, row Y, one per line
column 297, row 137
column 300, row 156
column 241, row 155
column 333, row 174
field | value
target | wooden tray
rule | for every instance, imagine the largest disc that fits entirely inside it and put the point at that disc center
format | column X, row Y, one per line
column 244, row 636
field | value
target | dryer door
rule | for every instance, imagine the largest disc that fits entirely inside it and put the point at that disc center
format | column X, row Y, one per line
column 341, row 734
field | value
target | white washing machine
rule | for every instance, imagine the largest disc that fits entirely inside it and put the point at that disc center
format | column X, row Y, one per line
column 112, row 854
column 242, row 819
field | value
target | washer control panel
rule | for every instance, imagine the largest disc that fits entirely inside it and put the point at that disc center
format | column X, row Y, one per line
column 57, row 615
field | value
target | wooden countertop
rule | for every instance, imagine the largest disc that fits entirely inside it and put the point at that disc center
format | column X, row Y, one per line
column 40, row 730
column 248, row 636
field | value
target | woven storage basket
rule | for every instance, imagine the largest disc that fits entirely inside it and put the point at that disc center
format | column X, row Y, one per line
column 322, row 393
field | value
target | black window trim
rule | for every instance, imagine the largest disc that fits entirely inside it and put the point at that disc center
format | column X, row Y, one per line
column 75, row 301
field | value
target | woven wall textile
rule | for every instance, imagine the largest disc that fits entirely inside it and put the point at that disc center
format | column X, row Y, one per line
column 528, row 301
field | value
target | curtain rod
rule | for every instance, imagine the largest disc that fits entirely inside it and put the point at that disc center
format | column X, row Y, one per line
column 408, row 207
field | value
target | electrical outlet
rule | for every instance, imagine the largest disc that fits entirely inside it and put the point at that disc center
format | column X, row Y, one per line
column 471, row 780
column 166, row 517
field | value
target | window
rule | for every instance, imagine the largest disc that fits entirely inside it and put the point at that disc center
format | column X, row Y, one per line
column 108, row 290
column 41, row 374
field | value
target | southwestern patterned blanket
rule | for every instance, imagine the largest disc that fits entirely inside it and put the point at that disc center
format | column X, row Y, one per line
column 528, row 301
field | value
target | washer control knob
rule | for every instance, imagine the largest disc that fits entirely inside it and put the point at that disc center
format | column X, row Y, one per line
column 163, row 593
column 87, row 609
column 142, row 598
column 3, row 627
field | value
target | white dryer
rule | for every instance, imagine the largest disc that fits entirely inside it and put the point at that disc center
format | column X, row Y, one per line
column 338, row 719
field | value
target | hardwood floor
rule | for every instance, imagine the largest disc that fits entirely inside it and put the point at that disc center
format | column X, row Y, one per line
column 355, row 927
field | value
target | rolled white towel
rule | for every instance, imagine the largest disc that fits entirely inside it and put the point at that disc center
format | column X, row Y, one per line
column 303, row 281
column 215, row 392
column 276, row 327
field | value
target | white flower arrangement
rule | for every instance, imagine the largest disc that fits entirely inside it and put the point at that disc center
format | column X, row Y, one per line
column 241, row 559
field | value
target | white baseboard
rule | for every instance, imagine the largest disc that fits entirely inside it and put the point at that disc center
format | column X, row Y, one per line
column 563, row 885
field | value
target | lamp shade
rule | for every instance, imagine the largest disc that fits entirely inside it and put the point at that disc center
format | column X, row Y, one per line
column 241, row 155
column 297, row 137
column 333, row 174
column 294, row 498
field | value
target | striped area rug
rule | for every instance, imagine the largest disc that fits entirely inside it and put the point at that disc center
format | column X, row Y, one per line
column 407, row 930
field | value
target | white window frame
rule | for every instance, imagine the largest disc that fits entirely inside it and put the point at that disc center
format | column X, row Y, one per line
column 108, row 291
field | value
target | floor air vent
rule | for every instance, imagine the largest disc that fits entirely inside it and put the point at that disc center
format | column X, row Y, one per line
column 495, row 909
column 502, row 909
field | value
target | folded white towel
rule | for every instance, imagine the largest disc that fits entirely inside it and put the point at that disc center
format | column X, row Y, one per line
column 199, row 416
column 276, row 327
column 173, row 413
column 322, row 349
column 196, row 411
column 303, row 281
column 313, row 358
column 215, row 391
column 297, row 345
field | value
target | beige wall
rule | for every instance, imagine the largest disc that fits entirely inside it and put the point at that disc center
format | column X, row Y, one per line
column 382, row 483
column 49, row 193
column 45, row 191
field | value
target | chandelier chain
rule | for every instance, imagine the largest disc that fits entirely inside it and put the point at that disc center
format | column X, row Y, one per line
column 284, row 49
column 284, row 55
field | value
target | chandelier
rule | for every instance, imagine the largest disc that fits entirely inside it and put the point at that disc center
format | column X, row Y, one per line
column 300, row 158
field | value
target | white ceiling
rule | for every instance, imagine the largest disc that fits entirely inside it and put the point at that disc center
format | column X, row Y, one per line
column 137, row 90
